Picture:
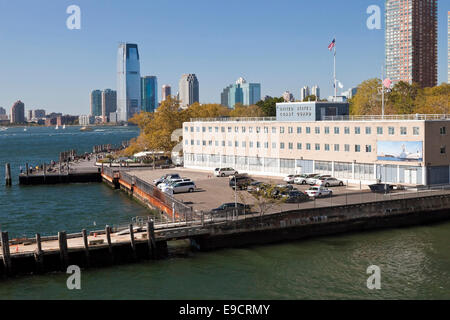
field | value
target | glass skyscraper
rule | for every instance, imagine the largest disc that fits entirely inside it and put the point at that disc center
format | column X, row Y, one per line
column 241, row 92
column 128, row 81
column 149, row 93
column 188, row 90
column 96, row 103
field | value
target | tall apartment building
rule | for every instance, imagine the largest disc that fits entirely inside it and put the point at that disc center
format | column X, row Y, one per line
column 188, row 90
column 448, row 48
column 315, row 90
column 288, row 97
column 18, row 112
column 241, row 92
column 149, row 93
column 166, row 91
column 109, row 103
column 304, row 92
column 96, row 103
column 411, row 41
column 38, row 114
column 128, row 81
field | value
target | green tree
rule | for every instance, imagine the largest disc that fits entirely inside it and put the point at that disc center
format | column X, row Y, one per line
column 402, row 98
column 269, row 106
column 367, row 100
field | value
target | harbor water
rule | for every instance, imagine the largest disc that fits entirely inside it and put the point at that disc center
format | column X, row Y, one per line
column 414, row 262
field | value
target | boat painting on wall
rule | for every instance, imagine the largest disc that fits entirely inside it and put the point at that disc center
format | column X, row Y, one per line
column 411, row 151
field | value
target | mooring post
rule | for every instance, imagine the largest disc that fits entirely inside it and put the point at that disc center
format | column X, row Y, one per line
column 28, row 168
column 86, row 246
column 8, row 180
column 5, row 252
column 39, row 254
column 151, row 238
column 62, row 240
column 133, row 244
column 108, row 240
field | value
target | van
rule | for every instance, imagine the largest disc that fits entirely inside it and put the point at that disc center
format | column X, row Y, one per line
column 225, row 172
column 181, row 187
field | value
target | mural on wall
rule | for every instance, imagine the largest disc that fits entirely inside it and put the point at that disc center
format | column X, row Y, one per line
column 400, row 150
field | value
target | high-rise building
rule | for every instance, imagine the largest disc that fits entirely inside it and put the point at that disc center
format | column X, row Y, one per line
column 18, row 112
column 241, row 92
column 288, row 97
column 2, row 111
column 149, row 93
column 166, row 91
column 304, row 92
column 38, row 114
column 109, row 103
column 411, row 41
column 188, row 90
column 96, row 103
column 128, row 81
column 350, row 93
column 315, row 90
column 448, row 48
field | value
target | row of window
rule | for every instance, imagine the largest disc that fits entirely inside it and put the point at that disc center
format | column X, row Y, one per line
column 282, row 145
column 317, row 130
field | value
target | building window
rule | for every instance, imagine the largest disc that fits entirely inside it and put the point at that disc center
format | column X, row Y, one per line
column 380, row 130
column 266, row 130
column 229, row 129
column 186, row 142
column 192, row 142
column 403, row 131
column 299, row 146
column 251, row 144
column 217, row 143
column 317, row 146
column 209, row 129
column 357, row 148
column 357, row 130
column 347, row 148
column 416, row 131
column 281, row 129
column 443, row 130
column 236, row 129
column 250, row 129
column 274, row 145
column 274, row 130
column 192, row 129
column 222, row 129
column 198, row 142
column 327, row 147
column 243, row 144
column 197, row 129
column 258, row 129
column 216, row 129
column 223, row 143
column 308, row 130
column 336, row 147
column 327, row 130
column 266, row 145
column 308, row 146
column 258, row 144
column 347, row 130
column 291, row 146
column 368, row 130
column 236, row 144
column 210, row 143
column 336, row 130
column 203, row 129
column 290, row 130
column 299, row 130
column 368, row 148
column 443, row 151
column 317, row 130
column 186, row 129
column 243, row 129
column 281, row 145
column 230, row 143
column 391, row 131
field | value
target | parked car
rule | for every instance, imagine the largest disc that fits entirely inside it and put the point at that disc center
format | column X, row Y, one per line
column 285, row 186
column 318, row 191
column 254, row 186
column 313, row 180
column 225, row 172
column 291, row 178
column 295, row 196
column 242, row 208
column 302, row 179
column 329, row 182
column 181, row 187
column 168, row 182
column 240, row 181
column 166, row 177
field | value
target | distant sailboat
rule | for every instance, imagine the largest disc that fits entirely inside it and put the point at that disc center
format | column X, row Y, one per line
column 64, row 127
column 3, row 128
column 24, row 129
column 57, row 127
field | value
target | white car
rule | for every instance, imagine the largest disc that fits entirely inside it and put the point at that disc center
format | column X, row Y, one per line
column 329, row 182
column 302, row 179
column 225, row 172
column 291, row 178
column 313, row 180
column 170, row 182
column 180, row 187
column 317, row 192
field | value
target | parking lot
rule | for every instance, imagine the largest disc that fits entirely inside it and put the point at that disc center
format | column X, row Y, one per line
column 214, row 191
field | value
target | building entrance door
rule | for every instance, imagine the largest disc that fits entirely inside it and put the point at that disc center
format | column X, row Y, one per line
column 410, row 176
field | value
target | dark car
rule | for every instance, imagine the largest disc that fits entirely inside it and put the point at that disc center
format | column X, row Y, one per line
column 229, row 207
column 295, row 196
column 240, row 181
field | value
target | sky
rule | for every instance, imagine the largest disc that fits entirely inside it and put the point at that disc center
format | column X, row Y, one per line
column 281, row 44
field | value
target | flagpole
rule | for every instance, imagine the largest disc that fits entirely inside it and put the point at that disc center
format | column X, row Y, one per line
column 335, row 87
column 382, row 92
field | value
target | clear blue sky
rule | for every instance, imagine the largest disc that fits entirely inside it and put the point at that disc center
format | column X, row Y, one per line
column 281, row 44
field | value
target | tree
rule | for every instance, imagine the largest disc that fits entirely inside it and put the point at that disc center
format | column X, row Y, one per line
column 311, row 97
column 402, row 98
column 434, row 100
column 269, row 107
column 367, row 100
column 246, row 111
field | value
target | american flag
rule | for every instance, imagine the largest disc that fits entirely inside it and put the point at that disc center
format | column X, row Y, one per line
column 332, row 44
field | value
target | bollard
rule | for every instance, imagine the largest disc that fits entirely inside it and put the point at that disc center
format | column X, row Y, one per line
column 151, row 238
column 8, row 180
column 62, row 240
column 5, row 251
column 108, row 240
column 133, row 244
column 39, row 254
column 86, row 246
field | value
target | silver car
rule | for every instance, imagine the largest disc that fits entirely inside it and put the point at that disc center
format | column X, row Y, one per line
column 313, row 180
column 329, row 182
column 302, row 179
column 181, row 187
column 225, row 172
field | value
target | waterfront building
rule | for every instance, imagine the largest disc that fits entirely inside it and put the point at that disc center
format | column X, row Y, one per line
column 241, row 92
column 188, row 90
column 29, row 115
column 2, row 111
column 411, row 41
column 18, row 112
column 85, row 120
column 166, row 91
column 3, row 115
column 315, row 90
column 109, row 103
column 288, row 97
column 320, row 138
column 113, row 117
column 96, row 103
column 38, row 114
column 304, row 92
column 149, row 94
column 128, row 81
column 448, row 48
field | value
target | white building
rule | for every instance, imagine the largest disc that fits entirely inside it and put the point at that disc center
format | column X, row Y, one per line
column 316, row 91
column 304, row 92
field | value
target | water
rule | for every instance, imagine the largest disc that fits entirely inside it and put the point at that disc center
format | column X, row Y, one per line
column 414, row 262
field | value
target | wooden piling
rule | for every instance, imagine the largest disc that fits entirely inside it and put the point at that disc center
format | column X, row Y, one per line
column 8, row 180
column 5, row 252
column 28, row 168
column 39, row 254
column 133, row 244
column 64, row 257
column 151, row 238
column 108, row 240
column 86, row 246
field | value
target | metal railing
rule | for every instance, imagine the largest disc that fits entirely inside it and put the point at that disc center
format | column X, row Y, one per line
column 388, row 117
column 227, row 119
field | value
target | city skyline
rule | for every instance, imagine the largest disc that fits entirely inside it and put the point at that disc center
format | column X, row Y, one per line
column 277, row 68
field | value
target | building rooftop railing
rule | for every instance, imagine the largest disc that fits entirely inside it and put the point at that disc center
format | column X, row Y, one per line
column 389, row 117
column 223, row 119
